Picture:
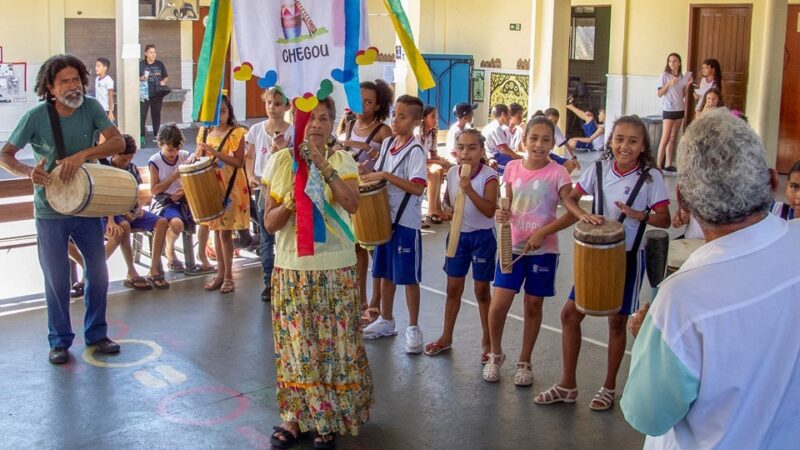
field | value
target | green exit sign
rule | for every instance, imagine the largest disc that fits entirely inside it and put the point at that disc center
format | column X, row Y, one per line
column 515, row 26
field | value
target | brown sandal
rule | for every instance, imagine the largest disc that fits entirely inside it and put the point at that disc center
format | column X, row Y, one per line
column 227, row 287
column 213, row 285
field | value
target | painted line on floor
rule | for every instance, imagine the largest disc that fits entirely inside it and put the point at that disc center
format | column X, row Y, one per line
column 155, row 352
column 148, row 380
column 171, row 374
column 471, row 302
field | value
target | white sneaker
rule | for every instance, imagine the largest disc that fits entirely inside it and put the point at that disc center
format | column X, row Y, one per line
column 414, row 343
column 380, row 328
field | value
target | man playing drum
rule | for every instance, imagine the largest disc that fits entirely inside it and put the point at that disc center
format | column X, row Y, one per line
column 61, row 84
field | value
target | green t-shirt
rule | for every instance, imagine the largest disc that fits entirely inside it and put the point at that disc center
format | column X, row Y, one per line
column 79, row 131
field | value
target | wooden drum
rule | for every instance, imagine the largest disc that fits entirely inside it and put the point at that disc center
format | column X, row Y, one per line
column 95, row 191
column 599, row 268
column 679, row 251
column 373, row 219
column 203, row 191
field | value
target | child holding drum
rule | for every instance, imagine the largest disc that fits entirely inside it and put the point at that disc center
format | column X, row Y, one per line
column 363, row 137
column 477, row 243
column 165, row 185
column 225, row 142
column 534, row 186
column 627, row 188
column 402, row 165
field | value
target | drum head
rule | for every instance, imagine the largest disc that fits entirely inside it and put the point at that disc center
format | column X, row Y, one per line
column 200, row 164
column 70, row 197
column 680, row 250
column 364, row 188
column 609, row 232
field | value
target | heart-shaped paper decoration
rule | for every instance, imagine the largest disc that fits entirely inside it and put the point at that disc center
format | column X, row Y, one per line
column 325, row 89
column 307, row 103
column 367, row 57
column 243, row 72
column 268, row 80
column 342, row 76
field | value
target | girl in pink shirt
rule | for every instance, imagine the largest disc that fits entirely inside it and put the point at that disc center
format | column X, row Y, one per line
column 534, row 187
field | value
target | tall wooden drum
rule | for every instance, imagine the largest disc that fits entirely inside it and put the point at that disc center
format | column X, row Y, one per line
column 372, row 222
column 599, row 268
column 95, row 191
column 203, row 191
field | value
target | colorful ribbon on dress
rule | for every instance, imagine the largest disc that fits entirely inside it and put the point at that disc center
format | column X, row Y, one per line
column 403, row 30
column 304, row 208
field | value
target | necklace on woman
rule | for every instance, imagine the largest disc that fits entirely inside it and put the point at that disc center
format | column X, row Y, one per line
column 365, row 127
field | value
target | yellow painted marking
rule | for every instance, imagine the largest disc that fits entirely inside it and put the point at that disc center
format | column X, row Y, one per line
column 171, row 374
column 148, row 380
column 88, row 355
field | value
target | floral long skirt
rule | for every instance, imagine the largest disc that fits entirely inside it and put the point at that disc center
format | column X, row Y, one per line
column 324, row 380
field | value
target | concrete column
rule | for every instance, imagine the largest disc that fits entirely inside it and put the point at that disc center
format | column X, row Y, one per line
column 55, row 18
column 549, row 69
column 768, row 117
column 405, row 82
column 128, row 54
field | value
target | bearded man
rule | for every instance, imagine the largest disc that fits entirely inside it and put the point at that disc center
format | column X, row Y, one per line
column 60, row 85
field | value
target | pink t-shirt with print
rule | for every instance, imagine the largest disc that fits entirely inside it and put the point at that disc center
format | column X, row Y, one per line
column 534, row 202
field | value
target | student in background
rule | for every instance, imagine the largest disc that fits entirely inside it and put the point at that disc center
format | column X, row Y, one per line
column 104, row 86
column 464, row 113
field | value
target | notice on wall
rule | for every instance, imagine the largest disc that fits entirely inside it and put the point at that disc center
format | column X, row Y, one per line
column 13, row 86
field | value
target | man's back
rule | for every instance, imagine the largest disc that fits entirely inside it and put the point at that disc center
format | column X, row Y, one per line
column 717, row 363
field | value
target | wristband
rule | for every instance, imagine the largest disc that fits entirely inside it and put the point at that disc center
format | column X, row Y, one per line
column 333, row 175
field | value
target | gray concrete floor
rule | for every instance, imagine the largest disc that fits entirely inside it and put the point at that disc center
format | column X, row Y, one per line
column 196, row 371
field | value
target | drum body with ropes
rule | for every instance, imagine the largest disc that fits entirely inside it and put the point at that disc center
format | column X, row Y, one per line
column 599, row 268
column 372, row 222
column 94, row 191
column 203, row 191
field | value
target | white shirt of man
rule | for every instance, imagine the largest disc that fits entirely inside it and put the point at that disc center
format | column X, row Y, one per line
column 262, row 143
column 717, row 361
column 496, row 135
column 101, row 88
column 408, row 162
column 515, row 136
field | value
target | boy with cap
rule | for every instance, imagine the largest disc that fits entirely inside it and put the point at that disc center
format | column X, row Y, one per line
column 464, row 114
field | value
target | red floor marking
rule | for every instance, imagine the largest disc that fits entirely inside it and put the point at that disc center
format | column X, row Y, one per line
column 256, row 438
column 123, row 331
column 241, row 408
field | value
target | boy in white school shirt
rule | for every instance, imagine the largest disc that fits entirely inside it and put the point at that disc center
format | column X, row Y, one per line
column 464, row 113
column 402, row 164
column 104, row 86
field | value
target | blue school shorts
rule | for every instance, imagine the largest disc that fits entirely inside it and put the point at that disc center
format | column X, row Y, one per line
column 634, row 275
column 558, row 159
column 400, row 259
column 537, row 272
column 588, row 130
column 477, row 248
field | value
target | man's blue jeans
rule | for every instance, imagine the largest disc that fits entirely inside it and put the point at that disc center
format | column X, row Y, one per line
column 267, row 240
column 54, row 236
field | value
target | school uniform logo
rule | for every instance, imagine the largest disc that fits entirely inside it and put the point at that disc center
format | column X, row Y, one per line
column 539, row 269
column 627, row 190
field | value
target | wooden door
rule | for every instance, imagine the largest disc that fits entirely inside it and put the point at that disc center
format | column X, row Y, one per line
column 198, row 30
column 722, row 32
column 254, row 102
column 789, row 132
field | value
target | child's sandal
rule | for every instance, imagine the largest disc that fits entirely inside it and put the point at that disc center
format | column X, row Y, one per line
column 524, row 375
column 556, row 394
column 491, row 371
column 603, row 400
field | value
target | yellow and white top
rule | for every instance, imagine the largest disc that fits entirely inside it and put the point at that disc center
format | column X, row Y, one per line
column 338, row 250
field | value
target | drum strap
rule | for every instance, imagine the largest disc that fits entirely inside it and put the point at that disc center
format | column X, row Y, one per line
column 58, row 136
column 642, row 225
column 407, row 197
column 235, row 170
column 371, row 136
column 597, row 206
column 785, row 211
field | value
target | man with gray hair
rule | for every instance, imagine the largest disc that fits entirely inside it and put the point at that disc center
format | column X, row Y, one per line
column 717, row 361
